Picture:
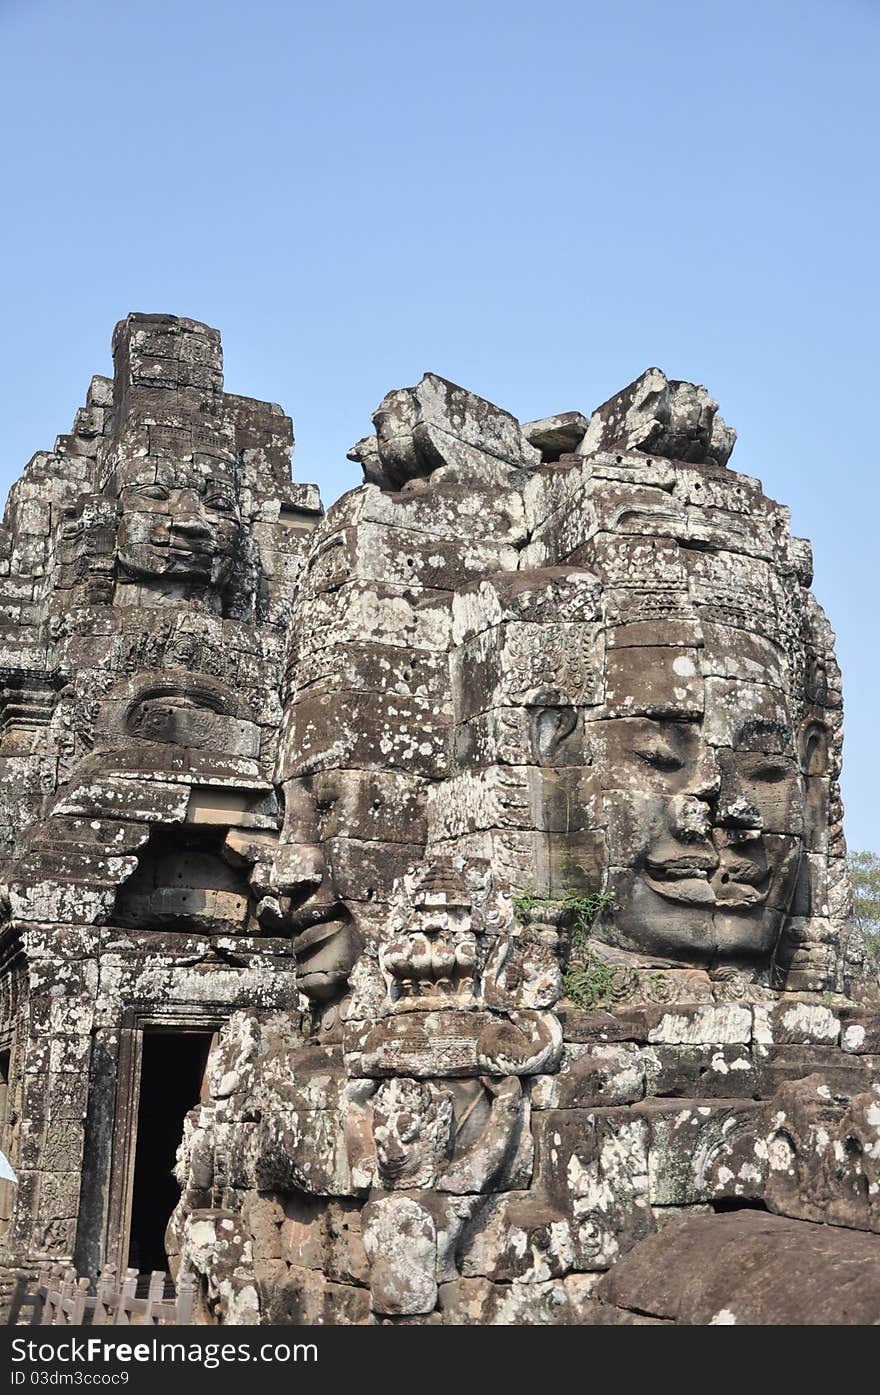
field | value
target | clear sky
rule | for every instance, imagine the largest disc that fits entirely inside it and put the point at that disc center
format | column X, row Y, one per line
column 537, row 200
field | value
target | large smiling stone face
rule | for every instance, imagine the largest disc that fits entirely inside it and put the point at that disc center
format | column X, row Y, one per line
column 638, row 698
column 179, row 521
column 704, row 842
column 655, row 720
column 641, row 758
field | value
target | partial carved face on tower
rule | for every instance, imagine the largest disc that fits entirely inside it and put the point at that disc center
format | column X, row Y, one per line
column 325, row 933
column 179, row 521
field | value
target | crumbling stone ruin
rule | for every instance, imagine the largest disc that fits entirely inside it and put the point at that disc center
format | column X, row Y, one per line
column 450, row 886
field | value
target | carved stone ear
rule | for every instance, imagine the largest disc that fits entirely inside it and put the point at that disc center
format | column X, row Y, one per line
column 814, row 754
column 814, row 749
column 549, row 728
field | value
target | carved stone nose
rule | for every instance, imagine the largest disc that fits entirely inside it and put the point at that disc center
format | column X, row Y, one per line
column 193, row 524
column 188, row 516
column 734, row 809
column 296, row 869
column 690, row 818
column 738, row 812
column 707, row 780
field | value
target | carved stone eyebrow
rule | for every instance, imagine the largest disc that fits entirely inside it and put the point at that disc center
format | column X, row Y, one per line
column 765, row 735
column 200, row 485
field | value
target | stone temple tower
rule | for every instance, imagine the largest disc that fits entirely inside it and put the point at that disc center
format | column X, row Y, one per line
column 435, row 910
column 149, row 565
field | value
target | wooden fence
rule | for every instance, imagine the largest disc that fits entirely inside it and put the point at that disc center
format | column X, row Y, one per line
column 59, row 1298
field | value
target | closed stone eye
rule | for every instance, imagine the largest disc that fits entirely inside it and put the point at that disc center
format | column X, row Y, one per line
column 769, row 773
column 152, row 491
column 660, row 760
column 219, row 502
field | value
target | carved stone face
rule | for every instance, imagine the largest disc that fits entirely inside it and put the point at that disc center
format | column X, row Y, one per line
column 180, row 523
column 704, row 840
column 326, row 940
column 676, row 780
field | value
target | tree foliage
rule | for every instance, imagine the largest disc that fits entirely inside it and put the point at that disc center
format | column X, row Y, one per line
column 864, row 869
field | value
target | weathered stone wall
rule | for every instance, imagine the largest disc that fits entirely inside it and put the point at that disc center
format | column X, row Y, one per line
column 364, row 1198
column 492, row 819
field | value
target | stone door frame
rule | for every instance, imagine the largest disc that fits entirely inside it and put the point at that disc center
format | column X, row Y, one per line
column 137, row 1020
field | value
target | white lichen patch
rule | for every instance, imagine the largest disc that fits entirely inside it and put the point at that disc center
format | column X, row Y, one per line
column 723, row 1318
column 853, row 1038
column 810, row 1022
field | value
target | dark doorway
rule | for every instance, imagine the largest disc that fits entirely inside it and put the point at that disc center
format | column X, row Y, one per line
column 737, row 1203
column 172, row 1075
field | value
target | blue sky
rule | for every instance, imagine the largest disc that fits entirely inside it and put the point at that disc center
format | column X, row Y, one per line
column 537, row 201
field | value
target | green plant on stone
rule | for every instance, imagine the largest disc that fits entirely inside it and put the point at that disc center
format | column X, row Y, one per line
column 584, row 911
column 580, row 910
column 864, row 870
column 527, row 899
column 588, row 980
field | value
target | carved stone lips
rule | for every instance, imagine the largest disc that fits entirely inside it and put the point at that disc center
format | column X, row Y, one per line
column 680, row 883
column 174, row 543
column 693, row 865
column 742, row 894
column 184, row 550
column 698, row 880
column 742, row 882
column 317, row 959
column 684, row 877
column 317, row 934
column 306, row 919
column 195, row 558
